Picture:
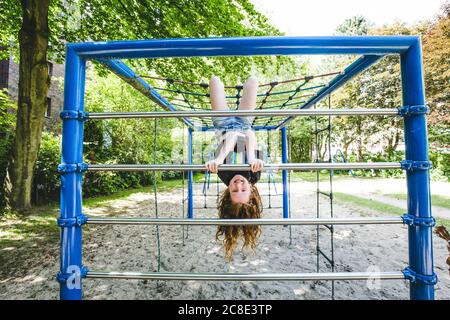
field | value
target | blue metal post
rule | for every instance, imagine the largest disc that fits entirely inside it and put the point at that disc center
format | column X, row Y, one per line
column 284, row 159
column 418, row 181
column 190, row 176
column 71, row 202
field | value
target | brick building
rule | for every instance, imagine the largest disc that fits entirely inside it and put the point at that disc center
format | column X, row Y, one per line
column 9, row 79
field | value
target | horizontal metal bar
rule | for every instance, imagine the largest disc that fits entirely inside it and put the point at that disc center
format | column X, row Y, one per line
column 394, row 275
column 254, row 128
column 210, row 221
column 267, row 207
column 215, row 195
column 243, row 113
column 232, row 167
column 244, row 46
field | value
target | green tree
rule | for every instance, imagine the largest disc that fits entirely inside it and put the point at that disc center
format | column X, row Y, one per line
column 354, row 26
column 32, row 98
column 436, row 58
column 379, row 86
column 43, row 27
column 7, row 127
column 124, row 141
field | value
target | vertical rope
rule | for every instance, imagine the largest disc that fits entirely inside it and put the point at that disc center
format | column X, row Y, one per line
column 217, row 188
column 317, row 190
column 268, row 173
column 155, row 191
column 289, row 181
column 205, row 190
column 182, row 183
column 330, row 159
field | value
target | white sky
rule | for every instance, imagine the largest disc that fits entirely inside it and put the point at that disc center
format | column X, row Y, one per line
column 321, row 17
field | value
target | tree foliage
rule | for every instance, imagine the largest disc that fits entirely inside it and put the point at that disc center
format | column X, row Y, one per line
column 102, row 20
column 436, row 57
column 380, row 138
column 121, row 141
column 7, row 127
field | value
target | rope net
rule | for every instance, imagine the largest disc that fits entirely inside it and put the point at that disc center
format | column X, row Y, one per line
column 286, row 94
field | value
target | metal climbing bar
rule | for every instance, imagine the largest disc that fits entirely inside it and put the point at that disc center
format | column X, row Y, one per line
column 244, row 46
column 243, row 113
column 245, row 167
column 242, row 222
column 394, row 275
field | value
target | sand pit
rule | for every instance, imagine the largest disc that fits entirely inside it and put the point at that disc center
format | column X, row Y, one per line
column 133, row 248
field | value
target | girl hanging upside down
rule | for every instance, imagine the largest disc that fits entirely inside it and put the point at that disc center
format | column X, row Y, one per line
column 241, row 199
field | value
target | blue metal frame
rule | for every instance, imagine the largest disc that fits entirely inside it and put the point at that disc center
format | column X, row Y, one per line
column 418, row 181
column 71, row 182
column 284, row 159
column 244, row 46
column 372, row 48
column 190, row 175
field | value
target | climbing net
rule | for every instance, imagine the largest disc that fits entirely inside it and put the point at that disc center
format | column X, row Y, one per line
column 279, row 95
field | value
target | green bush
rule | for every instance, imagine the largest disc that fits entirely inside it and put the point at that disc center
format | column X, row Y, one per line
column 7, row 126
column 46, row 180
column 122, row 142
column 441, row 166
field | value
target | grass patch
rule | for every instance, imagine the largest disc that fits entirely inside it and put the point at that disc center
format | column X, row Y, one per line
column 39, row 224
column 166, row 185
column 443, row 222
column 23, row 230
column 368, row 203
column 379, row 206
column 436, row 200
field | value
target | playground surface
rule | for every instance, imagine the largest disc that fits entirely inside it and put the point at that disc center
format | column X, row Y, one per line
column 30, row 274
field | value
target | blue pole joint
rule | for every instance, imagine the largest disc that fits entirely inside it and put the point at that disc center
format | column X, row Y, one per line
column 72, row 167
column 412, row 220
column 74, row 115
column 406, row 111
column 64, row 277
column 71, row 222
column 415, row 277
column 411, row 165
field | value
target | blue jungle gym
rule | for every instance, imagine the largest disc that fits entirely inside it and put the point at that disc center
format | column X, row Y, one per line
column 371, row 49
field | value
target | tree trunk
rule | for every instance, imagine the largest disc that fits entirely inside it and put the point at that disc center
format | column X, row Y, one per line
column 359, row 141
column 32, row 102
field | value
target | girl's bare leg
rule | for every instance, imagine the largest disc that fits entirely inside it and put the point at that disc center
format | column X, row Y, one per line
column 217, row 94
column 248, row 100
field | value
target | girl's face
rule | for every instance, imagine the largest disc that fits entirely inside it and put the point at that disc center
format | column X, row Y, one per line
column 240, row 189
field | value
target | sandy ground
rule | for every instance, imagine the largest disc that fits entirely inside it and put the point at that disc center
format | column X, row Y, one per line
column 133, row 248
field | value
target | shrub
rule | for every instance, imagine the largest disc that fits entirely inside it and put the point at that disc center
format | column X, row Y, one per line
column 46, row 180
column 7, row 126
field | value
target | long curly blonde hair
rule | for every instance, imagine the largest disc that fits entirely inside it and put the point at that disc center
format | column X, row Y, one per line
column 230, row 234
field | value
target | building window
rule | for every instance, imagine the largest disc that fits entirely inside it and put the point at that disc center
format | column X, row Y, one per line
column 48, row 112
column 50, row 68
